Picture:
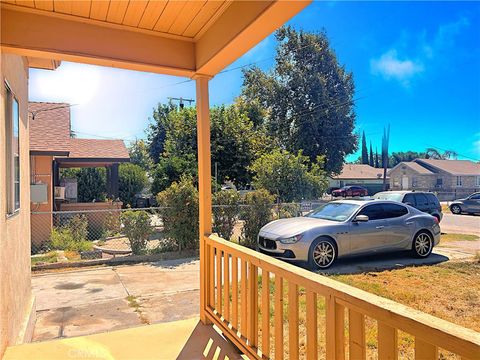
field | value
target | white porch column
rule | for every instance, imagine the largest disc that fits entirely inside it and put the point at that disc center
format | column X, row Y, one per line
column 204, row 182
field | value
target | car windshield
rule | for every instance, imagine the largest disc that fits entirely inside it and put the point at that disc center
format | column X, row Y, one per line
column 334, row 211
column 389, row 196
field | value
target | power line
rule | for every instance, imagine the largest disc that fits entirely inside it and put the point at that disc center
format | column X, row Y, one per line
column 458, row 154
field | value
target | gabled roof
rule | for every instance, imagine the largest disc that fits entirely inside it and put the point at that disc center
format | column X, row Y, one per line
column 413, row 166
column 50, row 134
column 49, row 127
column 454, row 167
column 359, row 171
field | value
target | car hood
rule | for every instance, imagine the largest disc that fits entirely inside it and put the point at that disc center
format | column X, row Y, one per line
column 293, row 226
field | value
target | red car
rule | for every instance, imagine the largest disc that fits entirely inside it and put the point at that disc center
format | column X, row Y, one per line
column 350, row 191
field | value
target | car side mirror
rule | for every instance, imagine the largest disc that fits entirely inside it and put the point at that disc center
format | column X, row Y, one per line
column 409, row 204
column 361, row 218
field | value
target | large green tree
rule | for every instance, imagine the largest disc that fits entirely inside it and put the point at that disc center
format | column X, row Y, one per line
column 139, row 154
column 132, row 180
column 307, row 100
column 288, row 176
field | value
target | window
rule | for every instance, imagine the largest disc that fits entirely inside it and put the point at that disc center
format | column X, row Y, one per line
column 439, row 182
column 475, row 197
column 414, row 181
column 432, row 200
column 12, row 126
column 459, row 181
column 421, row 200
column 374, row 212
column 409, row 199
column 393, row 211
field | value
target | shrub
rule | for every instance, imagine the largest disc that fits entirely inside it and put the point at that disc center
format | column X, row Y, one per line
column 226, row 213
column 256, row 214
column 179, row 210
column 112, row 224
column 78, row 226
column 288, row 210
column 137, row 228
column 132, row 180
column 63, row 239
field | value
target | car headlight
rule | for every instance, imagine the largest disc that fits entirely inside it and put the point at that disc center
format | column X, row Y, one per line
column 291, row 240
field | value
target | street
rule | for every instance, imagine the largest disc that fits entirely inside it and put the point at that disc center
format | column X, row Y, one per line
column 460, row 224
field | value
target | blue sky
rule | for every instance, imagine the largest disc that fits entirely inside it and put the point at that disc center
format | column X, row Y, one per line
column 416, row 67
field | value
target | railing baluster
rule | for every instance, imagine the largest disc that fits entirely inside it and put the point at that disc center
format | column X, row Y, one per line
column 266, row 313
column 356, row 331
column 252, row 322
column 219, row 280
column 425, row 351
column 243, row 308
column 335, row 333
column 312, row 332
column 234, row 319
column 293, row 320
column 278, row 317
column 226, row 286
column 211, row 276
column 387, row 342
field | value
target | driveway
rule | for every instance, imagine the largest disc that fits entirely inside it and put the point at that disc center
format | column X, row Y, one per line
column 460, row 224
column 89, row 301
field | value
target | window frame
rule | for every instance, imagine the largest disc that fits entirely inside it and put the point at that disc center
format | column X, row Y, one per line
column 12, row 151
column 459, row 183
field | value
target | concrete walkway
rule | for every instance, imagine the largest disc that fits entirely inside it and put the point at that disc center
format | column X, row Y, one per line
column 84, row 302
column 460, row 224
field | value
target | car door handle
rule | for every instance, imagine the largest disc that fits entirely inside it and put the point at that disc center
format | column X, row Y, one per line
column 408, row 222
column 379, row 227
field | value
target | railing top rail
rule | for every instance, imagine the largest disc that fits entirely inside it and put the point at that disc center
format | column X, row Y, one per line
column 65, row 212
column 442, row 333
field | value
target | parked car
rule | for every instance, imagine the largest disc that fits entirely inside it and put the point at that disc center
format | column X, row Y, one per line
column 469, row 205
column 423, row 201
column 350, row 191
column 350, row 227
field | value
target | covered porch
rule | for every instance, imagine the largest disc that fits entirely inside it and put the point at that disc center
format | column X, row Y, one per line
column 248, row 297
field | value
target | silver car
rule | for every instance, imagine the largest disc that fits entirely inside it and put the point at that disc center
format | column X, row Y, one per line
column 470, row 205
column 350, row 227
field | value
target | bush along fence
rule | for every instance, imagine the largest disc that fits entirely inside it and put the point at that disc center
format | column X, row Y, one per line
column 66, row 236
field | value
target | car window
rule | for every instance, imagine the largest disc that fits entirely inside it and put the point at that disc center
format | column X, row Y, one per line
column 335, row 211
column 475, row 197
column 432, row 199
column 393, row 210
column 388, row 196
column 374, row 212
column 421, row 200
column 409, row 198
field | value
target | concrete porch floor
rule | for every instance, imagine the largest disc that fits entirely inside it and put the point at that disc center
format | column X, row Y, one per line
column 88, row 301
column 184, row 339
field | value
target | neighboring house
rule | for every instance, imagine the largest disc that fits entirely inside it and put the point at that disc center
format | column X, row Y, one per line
column 359, row 174
column 449, row 178
column 53, row 148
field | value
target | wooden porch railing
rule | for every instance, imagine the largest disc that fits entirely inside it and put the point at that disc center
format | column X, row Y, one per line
column 234, row 304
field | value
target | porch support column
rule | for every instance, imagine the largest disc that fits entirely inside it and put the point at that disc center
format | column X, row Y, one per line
column 204, row 182
column 114, row 181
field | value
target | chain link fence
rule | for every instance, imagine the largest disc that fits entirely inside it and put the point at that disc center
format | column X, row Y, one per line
column 65, row 236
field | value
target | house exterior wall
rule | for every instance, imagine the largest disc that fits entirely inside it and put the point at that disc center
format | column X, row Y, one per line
column 16, row 299
column 41, row 224
column 448, row 190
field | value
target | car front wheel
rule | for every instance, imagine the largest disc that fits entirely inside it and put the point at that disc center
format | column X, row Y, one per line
column 422, row 245
column 456, row 209
column 322, row 254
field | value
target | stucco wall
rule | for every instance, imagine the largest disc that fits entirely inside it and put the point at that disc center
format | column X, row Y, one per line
column 41, row 224
column 15, row 288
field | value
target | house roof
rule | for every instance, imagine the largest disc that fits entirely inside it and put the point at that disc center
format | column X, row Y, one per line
column 414, row 166
column 50, row 134
column 454, row 167
column 359, row 171
column 49, row 127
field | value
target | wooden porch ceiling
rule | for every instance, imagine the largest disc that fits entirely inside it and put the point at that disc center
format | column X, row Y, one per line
column 174, row 37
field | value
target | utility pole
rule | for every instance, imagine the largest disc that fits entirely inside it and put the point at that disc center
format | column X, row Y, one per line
column 180, row 101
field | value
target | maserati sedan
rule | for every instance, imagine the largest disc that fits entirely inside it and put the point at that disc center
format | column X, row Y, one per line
column 350, row 227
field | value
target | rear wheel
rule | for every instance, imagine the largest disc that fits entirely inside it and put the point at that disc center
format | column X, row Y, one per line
column 322, row 254
column 422, row 244
column 456, row 209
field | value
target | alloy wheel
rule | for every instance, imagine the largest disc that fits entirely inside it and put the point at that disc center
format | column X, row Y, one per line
column 456, row 209
column 423, row 244
column 324, row 254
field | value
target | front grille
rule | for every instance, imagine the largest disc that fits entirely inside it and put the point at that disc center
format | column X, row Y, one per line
column 267, row 243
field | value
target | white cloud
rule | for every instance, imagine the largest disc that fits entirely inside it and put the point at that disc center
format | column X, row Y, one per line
column 390, row 66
